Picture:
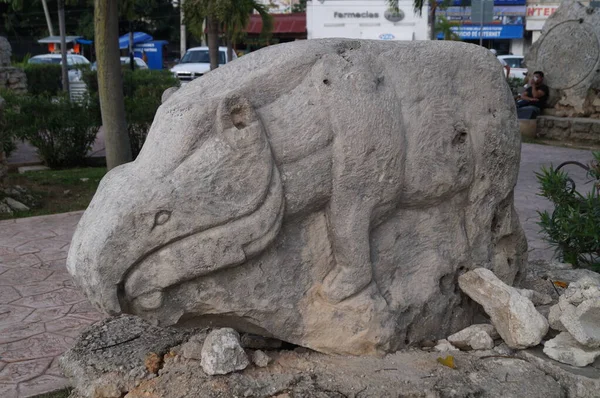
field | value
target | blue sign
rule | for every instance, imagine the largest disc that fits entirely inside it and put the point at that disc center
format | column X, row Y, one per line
column 152, row 51
column 507, row 15
column 473, row 32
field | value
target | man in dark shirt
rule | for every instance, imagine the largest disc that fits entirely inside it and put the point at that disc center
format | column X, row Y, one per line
column 534, row 98
column 537, row 92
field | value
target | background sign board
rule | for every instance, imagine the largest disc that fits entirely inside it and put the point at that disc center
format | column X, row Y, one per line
column 474, row 32
column 482, row 11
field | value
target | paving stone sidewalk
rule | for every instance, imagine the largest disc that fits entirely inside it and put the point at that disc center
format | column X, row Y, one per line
column 41, row 312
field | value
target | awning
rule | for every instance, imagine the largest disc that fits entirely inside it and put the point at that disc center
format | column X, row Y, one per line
column 294, row 23
column 56, row 39
column 138, row 37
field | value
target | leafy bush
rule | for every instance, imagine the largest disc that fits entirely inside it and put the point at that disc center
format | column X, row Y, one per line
column 61, row 130
column 43, row 78
column 574, row 225
column 143, row 90
column 7, row 144
column 516, row 85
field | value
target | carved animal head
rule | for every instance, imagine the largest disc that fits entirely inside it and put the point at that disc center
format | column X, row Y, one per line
column 195, row 203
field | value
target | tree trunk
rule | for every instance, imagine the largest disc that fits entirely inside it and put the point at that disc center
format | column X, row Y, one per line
column 432, row 10
column 63, row 45
column 212, row 25
column 229, row 50
column 131, row 60
column 110, row 83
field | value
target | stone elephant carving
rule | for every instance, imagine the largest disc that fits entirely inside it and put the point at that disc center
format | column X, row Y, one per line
column 287, row 166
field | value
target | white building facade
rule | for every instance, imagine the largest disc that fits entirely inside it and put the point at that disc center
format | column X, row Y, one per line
column 364, row 19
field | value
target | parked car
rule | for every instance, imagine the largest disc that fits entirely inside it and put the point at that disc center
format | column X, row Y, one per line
column 517, row 65
column 74, row 61
column 139, row 63
column 196, row 62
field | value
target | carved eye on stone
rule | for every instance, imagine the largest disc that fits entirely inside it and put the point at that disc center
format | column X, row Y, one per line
column 161, row 217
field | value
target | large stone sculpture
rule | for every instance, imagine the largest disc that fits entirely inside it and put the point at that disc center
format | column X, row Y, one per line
column 568, row 52
column 327, row 193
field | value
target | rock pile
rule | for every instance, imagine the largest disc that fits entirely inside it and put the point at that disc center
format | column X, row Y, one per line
column 516, row 320
column 10, row 77
column 14, row 199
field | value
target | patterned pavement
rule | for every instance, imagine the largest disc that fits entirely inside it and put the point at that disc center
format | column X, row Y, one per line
column 41, row 312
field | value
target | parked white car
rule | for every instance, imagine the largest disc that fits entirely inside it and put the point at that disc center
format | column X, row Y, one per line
column 196, row 62
column 139, row 63
column 73, row 61
column 517, row 65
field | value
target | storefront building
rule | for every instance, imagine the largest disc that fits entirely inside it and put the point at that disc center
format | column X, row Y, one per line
column 364, row 19
column 506, row 33
column 537, row 14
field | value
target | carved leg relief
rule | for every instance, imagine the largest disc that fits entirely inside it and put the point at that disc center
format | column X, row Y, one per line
column 349, row 232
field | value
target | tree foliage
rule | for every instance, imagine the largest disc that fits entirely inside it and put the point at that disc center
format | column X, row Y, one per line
column 230, row 16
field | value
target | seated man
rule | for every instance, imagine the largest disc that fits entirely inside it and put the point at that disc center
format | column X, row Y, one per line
column 534, row 98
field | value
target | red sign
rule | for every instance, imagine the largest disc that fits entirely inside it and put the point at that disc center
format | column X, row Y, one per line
column 541, row 11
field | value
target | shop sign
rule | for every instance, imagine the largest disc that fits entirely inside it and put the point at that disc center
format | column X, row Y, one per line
column 473, row 32
column 357, row 15
column 503, row 15
column 541, row 12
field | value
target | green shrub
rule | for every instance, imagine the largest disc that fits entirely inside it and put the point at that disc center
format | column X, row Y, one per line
column 7, row 143
column 43, row 78
column 574, row 225
column 516, row 85
column 61, row 130
column 143, row 90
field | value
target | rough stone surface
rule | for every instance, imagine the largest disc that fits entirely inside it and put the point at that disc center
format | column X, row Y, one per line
column 556, row 312
column 583, row 130
column 476, row 337
column 306, row 197
column 583, row 289
column 584, row 323
column 413, row 373
column 260, row 359
column 192, row 349
column 575, row 382
column 109, row 357
column 514, row 316
column 10, row 78
column 573, row 78
column 444, row 345
column 564, row 348
column 536, row 298
column 222, row 352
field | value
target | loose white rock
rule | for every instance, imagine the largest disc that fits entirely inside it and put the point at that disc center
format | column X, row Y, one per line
column 584, row 322
column 260, row 359
column 556, row 312
column 444, row 346
column 192, row 349
column 222, row 352
column 564, row 348
column 517, row 321
column 475, row 337
column 584, row 289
